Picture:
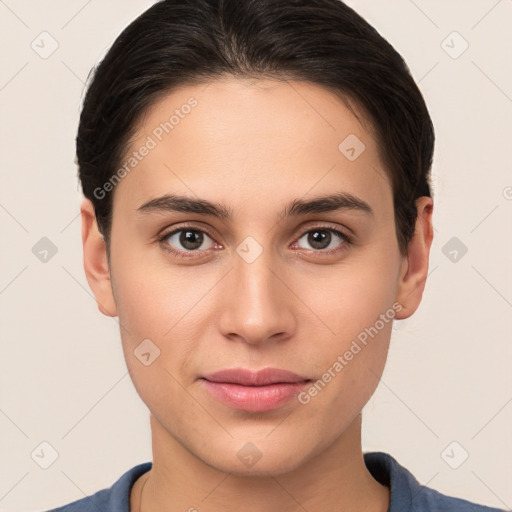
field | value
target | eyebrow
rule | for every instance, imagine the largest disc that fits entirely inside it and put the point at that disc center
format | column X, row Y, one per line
column 321, row 204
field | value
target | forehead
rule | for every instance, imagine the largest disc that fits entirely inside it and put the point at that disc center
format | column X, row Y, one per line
column 245, row 139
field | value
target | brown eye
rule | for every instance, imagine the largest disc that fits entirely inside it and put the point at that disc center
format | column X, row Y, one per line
column 323, row 240
column 187, row 240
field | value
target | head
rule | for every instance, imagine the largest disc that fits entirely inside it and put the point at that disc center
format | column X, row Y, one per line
column 257, row 194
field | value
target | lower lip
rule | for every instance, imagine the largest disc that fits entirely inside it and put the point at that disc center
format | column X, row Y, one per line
column 255, row 398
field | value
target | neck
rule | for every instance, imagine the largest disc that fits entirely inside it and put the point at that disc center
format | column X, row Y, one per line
column 335, row 479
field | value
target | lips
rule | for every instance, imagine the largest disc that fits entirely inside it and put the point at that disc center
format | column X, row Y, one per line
column 246, row 377
column 258, row 391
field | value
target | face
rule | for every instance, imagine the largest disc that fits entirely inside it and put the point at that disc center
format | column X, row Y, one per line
column 266, row 276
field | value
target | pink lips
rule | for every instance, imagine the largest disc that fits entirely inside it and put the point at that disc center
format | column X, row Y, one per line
column 250, row 391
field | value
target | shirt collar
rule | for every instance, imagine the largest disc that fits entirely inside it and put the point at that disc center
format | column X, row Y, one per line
column 382, row 466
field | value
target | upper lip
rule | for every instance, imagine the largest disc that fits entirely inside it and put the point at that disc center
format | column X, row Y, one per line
column 247, row 377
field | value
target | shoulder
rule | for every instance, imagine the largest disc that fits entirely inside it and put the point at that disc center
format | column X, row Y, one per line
column 434, row 501
column 93, row 503
column 114, row 499
column 408, row 494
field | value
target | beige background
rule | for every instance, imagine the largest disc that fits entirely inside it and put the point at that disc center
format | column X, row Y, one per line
column 63, row 376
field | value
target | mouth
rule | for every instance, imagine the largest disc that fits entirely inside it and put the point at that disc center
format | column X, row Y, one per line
column 259, row 391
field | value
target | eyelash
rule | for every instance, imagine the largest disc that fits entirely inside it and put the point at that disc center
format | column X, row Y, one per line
column 347, row 240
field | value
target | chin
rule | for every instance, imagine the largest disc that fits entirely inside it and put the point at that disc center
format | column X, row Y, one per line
column 257, row 458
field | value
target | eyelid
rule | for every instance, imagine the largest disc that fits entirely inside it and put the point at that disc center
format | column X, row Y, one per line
column 165, row 233
column 344, row 231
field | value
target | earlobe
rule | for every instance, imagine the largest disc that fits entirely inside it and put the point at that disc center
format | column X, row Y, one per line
column 414, row 270
column 96, row 263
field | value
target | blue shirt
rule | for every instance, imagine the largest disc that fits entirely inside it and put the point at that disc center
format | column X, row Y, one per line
column 407, row 495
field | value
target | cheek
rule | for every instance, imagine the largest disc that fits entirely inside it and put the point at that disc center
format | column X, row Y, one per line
column 349, row 298
column 168, row 306
column 152, row 297
column 355, row 306
column 152, row 304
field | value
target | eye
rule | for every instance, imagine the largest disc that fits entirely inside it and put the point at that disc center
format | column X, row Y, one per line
column 324, row 239
column 187, row 242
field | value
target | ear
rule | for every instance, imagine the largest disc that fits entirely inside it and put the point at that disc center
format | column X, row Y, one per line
column 414, row 269
column 96, row 263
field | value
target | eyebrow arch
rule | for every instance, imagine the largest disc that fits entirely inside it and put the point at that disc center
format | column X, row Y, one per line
column 321, row 204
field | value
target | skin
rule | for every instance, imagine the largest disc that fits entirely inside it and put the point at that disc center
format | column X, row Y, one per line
column 254, row 146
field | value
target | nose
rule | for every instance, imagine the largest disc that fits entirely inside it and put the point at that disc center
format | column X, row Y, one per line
column 257, row 306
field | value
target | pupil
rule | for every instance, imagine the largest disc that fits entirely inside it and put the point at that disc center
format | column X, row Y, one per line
column 191, row 239
column 317, row 239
